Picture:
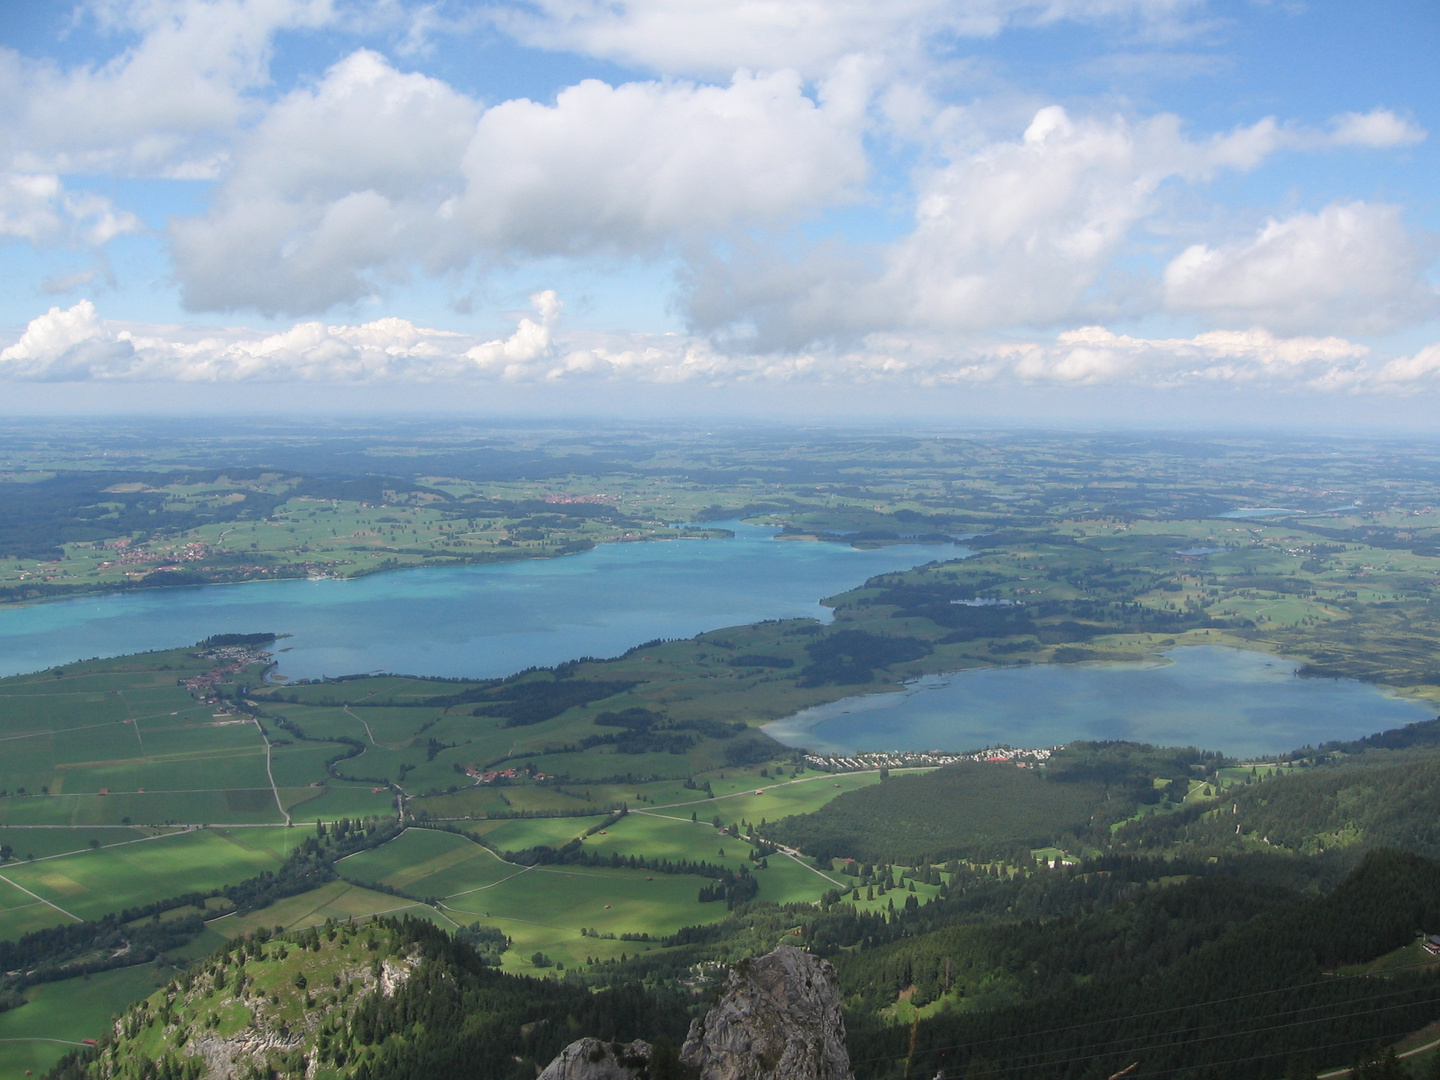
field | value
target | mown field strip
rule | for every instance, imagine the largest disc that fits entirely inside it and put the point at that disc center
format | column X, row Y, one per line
column 58, row 731
column 102, row 847
column 493, row 884
column 42, row 899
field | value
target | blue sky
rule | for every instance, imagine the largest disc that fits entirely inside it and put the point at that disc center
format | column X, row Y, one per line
column 1061, row 210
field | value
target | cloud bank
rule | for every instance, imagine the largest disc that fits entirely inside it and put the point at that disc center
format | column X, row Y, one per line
column 75, row 344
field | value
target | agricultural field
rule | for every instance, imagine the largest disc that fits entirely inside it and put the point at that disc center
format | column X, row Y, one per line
column 43, row 842
column 749, row 798
column 139, row 741
column 668, row 729
column 545, row 907
column 424, row 862
column 517, row 834
column 88, row 884
column 648, row 834
column 57, row 1016
column 336, row 900
column 128, row 780
column 574, row 914
column 22, row 912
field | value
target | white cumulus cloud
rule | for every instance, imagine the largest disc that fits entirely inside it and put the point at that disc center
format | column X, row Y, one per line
column 1351, row 268
column 337, row 180
column 1409, row 371
column 638, row 165
column 162, row 106
column 763, row 116
column 1015, row 232
column 514, row 357
column 64, row 346
column 36, row 207
column 349, row 184
column 1378, row 129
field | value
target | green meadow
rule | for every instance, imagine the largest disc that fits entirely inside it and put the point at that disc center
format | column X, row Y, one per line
column 783, row 879
column 541, row 908
column 20, row 912
column 429, row 863
column 337, row 900
column 57, row 1016
column 42, row 843
column 123, row 741
column 90, row 883
column 545, row 907
column 755, row 799
column 517, row 834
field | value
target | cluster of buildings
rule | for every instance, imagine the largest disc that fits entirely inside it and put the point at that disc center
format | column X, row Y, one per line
column 1022, row 757
column 130, row 555
column 230, row 660
column 600, row 499
column 493, row 776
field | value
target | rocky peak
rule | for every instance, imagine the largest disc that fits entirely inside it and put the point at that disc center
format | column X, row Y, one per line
column 778, row 1018
column 591, row 1059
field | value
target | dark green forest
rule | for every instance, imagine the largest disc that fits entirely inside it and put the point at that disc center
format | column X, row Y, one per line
column 968, row 810
column 1218, row 977
column 974, row 810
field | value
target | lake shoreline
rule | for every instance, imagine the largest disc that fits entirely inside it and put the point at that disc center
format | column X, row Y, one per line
column 468, row 621
column 1195, row 694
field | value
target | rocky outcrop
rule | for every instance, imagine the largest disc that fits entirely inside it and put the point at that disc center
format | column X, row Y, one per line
column 252, row 1050
column 591, row 1059
column 778, row 1018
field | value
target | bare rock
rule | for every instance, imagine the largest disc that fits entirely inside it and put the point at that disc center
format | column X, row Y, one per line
column 778, row 1018
column 591, row 1059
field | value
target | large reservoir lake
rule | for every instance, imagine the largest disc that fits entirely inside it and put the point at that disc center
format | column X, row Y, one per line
column 479, row 621
column 1239, row 702
column 494, row 619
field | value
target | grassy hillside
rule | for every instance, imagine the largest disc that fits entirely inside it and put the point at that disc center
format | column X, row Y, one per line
column 391, row 999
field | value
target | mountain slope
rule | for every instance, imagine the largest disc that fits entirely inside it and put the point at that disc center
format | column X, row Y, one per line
column 393, row 999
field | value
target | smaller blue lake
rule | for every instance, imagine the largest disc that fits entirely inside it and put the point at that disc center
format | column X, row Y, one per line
column 477, row 621
column 1258, row 512
column 1239, row 702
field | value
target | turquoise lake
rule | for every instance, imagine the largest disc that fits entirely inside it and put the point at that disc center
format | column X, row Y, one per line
column 1242, row 703
column 495, row 619
column 481, row 621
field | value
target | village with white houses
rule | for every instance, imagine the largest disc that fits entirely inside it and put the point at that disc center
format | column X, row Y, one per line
column 869, row 761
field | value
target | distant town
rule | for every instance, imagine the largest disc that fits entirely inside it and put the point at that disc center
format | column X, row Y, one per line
column 1021, row 757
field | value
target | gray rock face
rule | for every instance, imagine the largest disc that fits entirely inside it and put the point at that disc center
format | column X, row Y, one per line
column 591, row 1059
column 778, row 1018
